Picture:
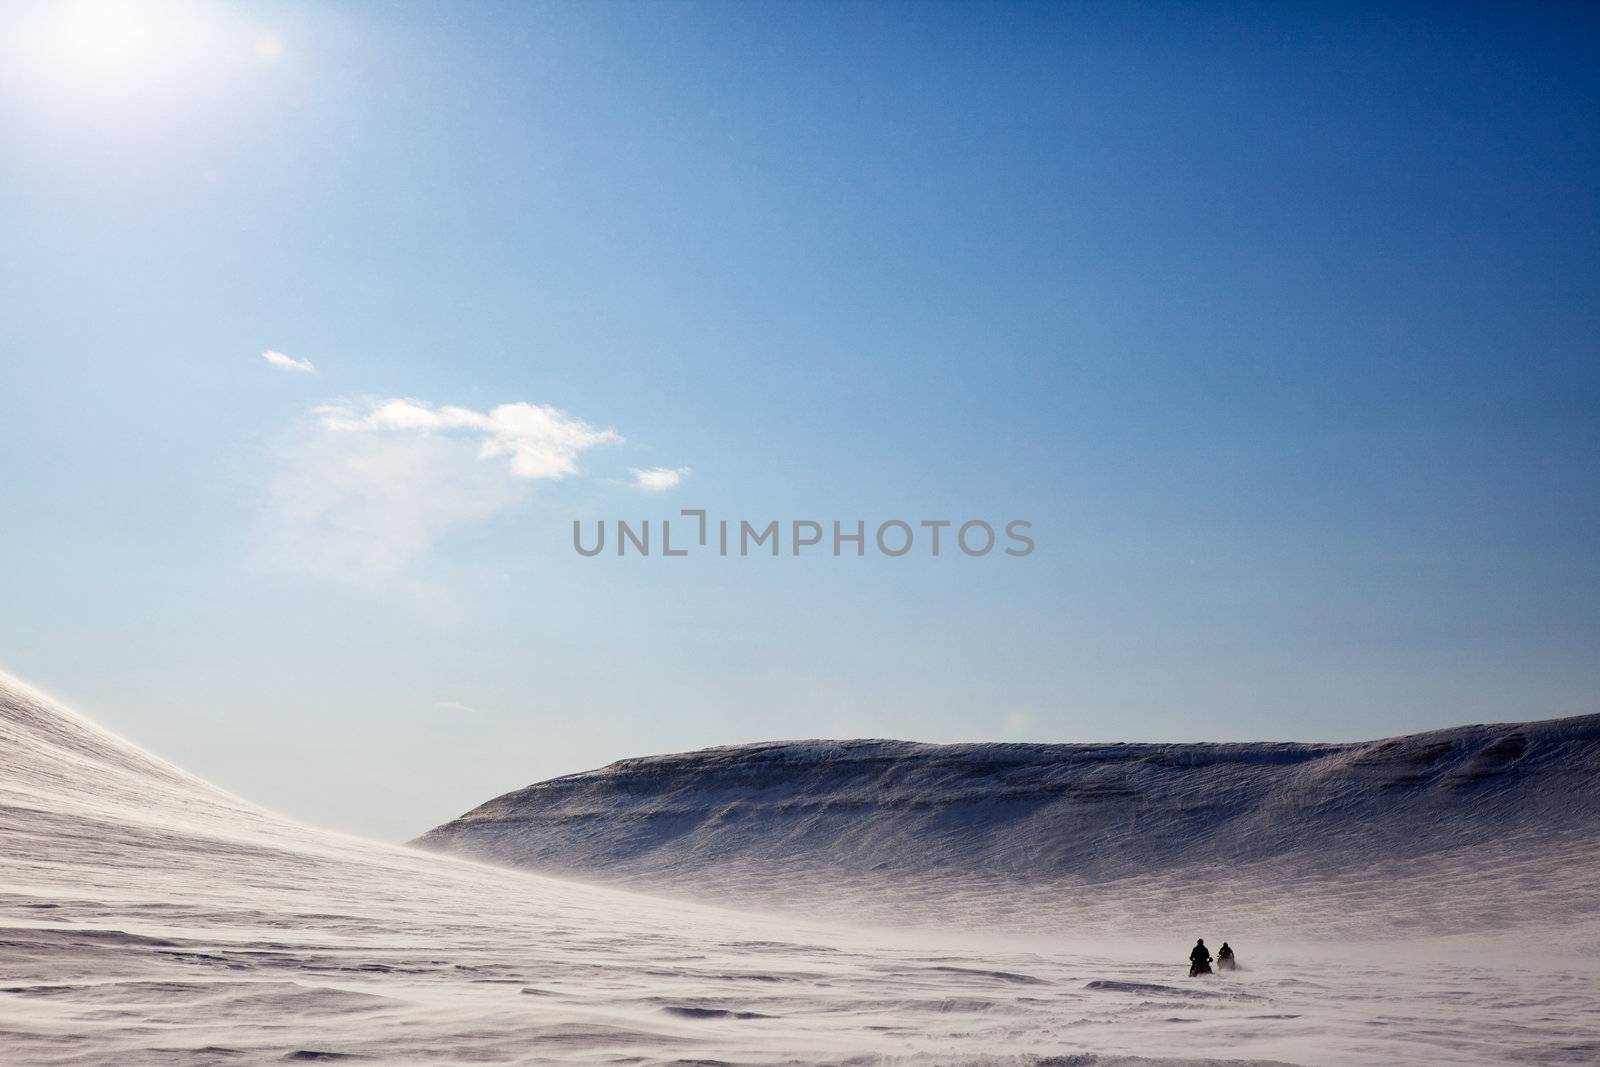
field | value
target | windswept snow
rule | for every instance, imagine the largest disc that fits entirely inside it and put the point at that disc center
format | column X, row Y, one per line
column 147, row 917
column 1465, row 830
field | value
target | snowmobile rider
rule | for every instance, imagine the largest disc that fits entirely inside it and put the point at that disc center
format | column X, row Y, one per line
column 1225, row 958
column 1199, row 959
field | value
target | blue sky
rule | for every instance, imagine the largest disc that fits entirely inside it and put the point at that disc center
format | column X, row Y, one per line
column 1279, row 324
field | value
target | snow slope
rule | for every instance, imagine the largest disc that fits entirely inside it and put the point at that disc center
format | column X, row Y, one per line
column 1502, row 821
column 147, row 917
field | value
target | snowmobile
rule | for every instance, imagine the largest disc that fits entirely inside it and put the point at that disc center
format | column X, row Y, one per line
column 1226, row 963
column 1199, row 967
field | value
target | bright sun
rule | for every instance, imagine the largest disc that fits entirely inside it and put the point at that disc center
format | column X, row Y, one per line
column 118, row 41
column 120, row 51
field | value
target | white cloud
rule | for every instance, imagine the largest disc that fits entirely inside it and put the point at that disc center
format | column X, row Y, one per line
column 540, row 441
column 364, row 508
column 452, row 705
column 278, row 359
column 365, row 489
column 658, row 479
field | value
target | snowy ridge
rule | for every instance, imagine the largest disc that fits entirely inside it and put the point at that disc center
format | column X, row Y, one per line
column 147, row 917
column 1485, row 801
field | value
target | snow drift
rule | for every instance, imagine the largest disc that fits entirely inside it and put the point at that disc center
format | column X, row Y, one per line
column 147, row 917
column 1469, row 808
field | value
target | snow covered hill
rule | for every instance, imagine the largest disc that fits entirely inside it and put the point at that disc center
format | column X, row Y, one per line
column 1481, row 806
column 147, row 917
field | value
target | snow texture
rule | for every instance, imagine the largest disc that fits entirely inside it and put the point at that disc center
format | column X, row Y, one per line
column 149, row 918
column 1470, row 829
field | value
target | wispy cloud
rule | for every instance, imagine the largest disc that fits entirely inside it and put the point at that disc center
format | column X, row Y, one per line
column 365, row 489
column 453, row 705
column 540, row 441
column 658, row 479
column 362, row 508
column 278, row 359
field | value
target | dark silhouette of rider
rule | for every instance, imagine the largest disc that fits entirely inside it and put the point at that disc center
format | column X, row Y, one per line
column 1199, row 958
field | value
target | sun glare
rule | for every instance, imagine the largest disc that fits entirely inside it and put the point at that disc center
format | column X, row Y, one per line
column 109, row 39
column 121, row 54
